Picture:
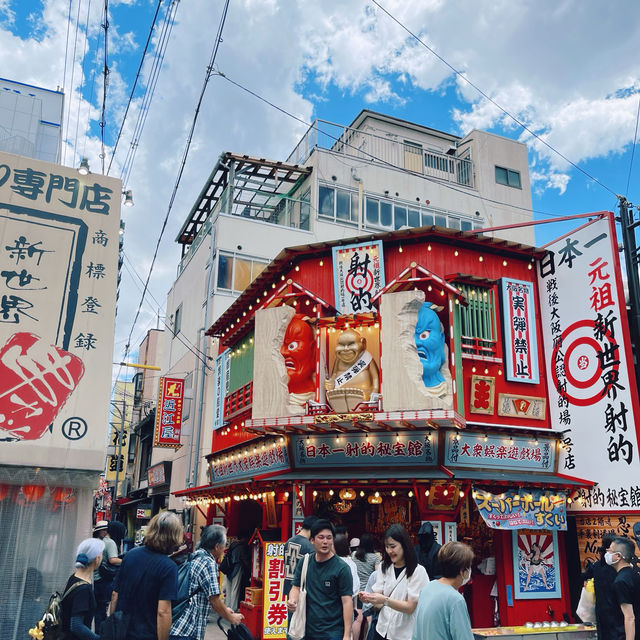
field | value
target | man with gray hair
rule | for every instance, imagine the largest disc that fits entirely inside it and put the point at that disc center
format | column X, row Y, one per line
column 626, row 589
column 204, row 587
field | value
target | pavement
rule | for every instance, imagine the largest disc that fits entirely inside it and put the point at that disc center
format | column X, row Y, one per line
column 213, row 630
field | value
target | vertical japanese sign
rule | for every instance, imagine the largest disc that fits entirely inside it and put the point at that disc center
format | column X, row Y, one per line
column 358, row 274
column 592, row 392
column 58, row 278
column 520, row 335
column 274, row 612
column 169, row 413
column 119, row 433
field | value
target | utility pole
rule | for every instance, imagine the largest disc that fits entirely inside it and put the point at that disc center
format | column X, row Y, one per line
column 628, row 226
column 120, row 436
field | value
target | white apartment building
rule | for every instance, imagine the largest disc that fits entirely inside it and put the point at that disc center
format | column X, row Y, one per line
column 30, row 120
column 380, row 173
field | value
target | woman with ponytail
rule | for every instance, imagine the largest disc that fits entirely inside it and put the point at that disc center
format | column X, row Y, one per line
column 79, row 604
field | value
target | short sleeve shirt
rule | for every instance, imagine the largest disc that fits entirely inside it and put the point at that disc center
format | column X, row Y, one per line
column 295, row 548
column 110, row 551
column 79, row 602
column 441, row 614
column 326, row 583
column 626, row 587
column 145, row 577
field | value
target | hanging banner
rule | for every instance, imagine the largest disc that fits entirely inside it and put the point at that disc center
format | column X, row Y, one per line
column 592, row 393
column 274, row 622
column 358, row 274
column 527, row 509
column 520, row 334
column 169, row 413
column 59, row 239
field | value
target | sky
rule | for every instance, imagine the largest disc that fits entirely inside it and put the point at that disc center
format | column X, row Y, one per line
column 568, row 70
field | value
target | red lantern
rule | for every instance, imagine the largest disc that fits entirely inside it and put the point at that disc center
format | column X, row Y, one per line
column 4, row 491
column 32, row 492
column 62, row 494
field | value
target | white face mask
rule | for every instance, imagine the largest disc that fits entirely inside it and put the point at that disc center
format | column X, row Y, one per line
column 466, row 578
column 608, row 557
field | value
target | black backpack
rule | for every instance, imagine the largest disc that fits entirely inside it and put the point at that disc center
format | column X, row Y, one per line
column 180, row 604
column 51, row 623
column 237, row 632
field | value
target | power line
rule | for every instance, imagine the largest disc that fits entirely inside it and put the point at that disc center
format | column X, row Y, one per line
column 183, row 162
column 149, row 92
column 314, row 125
column 135, row 83
column 105, row 83
column 64, row 72
column 633, row 149
column 84, row 75
column 491, row 100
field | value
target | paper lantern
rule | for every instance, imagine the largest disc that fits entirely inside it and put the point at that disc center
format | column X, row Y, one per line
column 63, row 495
column 32, row 492
column 4, row 491
column 347, row 494
column 343, row 506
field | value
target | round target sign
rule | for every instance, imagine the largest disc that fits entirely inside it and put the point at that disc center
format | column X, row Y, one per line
column 582, row 366
column 359, row 279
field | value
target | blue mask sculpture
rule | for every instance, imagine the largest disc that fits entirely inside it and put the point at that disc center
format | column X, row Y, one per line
column 429, row 341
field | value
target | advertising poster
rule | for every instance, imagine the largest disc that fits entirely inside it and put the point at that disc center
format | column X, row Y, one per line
column 59, row 241
column 535, row 565
column 358, row 274
column 592, row 394
column 275, row 605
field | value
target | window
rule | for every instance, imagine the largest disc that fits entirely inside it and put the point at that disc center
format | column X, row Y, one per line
column 188, row 396
column 508, row 177
column 478, row 321
column 177, row 320
column 236, row 273
column 338, row 204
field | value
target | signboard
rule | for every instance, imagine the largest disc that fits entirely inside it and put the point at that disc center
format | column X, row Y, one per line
column 365, row 450
column 519, row 453
column 156, row 475
column 274, row 612
column 121, row 412
column 358, row 274
column 520, row 334
column 590, row 530
column 143, row 513
column 59, row 235
column 483, row 391
column 169, row 413
column 250, row 462
column 592, row 393
column 526, row 509
column 535, row 565
column 518, row 406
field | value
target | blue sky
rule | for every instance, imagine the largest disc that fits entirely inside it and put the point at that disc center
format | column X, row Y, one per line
column 569, row 69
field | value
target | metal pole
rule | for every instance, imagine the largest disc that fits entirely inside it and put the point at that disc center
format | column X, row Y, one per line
column 124, row 411
column 628, row 226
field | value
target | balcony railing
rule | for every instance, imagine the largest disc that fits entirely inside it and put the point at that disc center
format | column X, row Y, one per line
column 382, row 150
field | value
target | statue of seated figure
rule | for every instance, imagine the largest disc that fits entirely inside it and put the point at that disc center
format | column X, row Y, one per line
column 355, row 375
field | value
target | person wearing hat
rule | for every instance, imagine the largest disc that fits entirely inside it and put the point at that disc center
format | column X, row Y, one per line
column 354, row 543
column 105, row 572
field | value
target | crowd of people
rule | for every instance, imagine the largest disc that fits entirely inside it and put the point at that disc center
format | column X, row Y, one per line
column 354, row 592
column 353, row 589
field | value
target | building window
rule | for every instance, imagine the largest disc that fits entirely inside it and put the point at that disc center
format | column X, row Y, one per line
column 478, row 335
column 177, row 320
column 508, row 177
column 188, row 396
column 338, row 204
column 236, row 272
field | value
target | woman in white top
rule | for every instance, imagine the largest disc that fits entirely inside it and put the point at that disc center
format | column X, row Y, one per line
column 398, row 585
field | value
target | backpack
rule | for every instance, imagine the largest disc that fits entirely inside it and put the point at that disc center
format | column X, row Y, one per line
column 50, row 626
column 238, row 632
column 180, row 604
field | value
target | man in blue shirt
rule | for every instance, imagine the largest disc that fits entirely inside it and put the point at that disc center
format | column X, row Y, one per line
column 205, row 588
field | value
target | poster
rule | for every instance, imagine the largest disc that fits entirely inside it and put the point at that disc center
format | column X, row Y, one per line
column 59, row 240
column 532, row 509
column 520, row 333
column 169, row 412
column 592, row 393
column 536, row 574
column 358, row 275
column 274, row 611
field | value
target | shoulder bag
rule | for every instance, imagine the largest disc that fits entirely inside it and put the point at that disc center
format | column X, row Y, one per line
column 298, row 623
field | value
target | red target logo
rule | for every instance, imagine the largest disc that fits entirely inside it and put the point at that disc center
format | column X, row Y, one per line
column 583, row 369
column 357, row 280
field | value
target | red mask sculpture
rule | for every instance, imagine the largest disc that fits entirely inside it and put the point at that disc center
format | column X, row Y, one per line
column 299, row 353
